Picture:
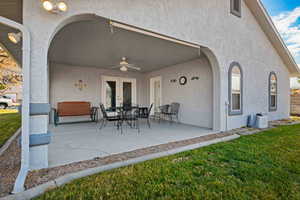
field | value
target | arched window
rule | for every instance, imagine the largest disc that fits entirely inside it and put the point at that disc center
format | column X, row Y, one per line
column 272, row 92
column 235, row 89
column 236, row 7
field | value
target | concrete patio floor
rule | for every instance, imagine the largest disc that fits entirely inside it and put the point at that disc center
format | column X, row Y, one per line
column 84, row 141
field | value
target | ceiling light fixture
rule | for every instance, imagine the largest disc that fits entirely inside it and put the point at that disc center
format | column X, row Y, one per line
column 56, row 7
column 124, row 69
column 15, row 37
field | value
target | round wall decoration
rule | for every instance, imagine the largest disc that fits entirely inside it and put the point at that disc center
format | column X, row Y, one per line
column 182, row 80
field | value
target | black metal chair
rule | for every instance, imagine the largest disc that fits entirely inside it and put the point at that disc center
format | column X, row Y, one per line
column 174, row 111
column 144, row 113
column 163, row 109
column 107, row 118
column 131, row 117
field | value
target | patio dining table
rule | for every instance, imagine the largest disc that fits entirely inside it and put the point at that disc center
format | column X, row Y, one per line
column 127, row 114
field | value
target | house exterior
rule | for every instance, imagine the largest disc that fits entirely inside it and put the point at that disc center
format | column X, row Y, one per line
column 233, row 59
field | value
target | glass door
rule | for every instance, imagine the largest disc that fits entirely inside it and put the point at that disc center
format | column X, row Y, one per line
column 110, row 88
column 117, row 92
column 155, row 93
column 128, row 92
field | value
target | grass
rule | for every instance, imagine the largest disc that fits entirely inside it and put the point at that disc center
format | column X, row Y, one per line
column 10, row 122
column 262, row 166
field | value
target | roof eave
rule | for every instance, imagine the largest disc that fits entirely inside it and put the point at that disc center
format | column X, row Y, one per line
column 267, row 25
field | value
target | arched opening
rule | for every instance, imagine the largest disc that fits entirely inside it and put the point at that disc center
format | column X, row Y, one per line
column 94, row 61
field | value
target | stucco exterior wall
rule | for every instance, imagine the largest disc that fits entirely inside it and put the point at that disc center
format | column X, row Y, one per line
column 63, row 77
column 62, row 88
column 195, row 98
column 207, row 23
column 196, row 110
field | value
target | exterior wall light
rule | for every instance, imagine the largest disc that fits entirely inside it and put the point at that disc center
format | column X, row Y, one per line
column 15, row 37
column 55, row 7
column 62, row 6
column 48, row 5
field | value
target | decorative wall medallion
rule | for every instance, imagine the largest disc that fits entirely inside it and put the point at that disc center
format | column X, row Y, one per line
column 182, row 80
column 195, row 78
column 80, row 85
column 173, row 81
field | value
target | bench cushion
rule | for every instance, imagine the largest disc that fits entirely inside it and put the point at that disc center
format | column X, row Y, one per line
column 74, row 108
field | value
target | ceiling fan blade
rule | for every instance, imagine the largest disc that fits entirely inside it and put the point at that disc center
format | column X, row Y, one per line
column 133, row 67
column 115, row 67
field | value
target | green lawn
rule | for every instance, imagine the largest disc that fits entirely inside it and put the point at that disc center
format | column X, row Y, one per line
column 262, row 166
column 10, row 122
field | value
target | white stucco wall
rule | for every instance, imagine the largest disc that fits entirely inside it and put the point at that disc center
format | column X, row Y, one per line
column 195, row 98
column 208, row 23
column 63, row 77
column 196, row 110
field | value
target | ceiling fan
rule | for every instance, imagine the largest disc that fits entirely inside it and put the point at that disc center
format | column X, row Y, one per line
column 124, row 65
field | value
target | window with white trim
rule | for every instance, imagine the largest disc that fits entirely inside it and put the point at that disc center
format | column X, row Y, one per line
column 272, row 92
column 236, row 7
column 235, row 89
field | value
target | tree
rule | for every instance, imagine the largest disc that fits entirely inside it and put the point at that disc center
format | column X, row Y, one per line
column 9, row 72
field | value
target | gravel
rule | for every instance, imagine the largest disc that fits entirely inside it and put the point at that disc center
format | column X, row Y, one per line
column 10, row 162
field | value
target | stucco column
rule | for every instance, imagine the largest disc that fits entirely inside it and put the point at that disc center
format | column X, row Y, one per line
column 39, row 99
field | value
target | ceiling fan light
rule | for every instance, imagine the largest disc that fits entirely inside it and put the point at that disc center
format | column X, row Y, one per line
column 47, row 5
column 124, row 69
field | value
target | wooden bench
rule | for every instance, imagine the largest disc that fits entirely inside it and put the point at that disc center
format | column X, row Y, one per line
column 73, row 109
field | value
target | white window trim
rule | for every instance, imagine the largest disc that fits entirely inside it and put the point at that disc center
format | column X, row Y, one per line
column 233, row 112
column 273, row 108
column 237, row 13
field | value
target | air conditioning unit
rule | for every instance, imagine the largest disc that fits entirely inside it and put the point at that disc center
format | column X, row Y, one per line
column 262, row 121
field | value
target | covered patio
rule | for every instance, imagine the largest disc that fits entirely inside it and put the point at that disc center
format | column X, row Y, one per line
column 85, row 141
column 85, row 65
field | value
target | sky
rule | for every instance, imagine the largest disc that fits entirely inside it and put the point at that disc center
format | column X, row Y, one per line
column 286, row 16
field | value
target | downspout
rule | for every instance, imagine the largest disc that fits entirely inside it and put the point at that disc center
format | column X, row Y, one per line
column 19, row 183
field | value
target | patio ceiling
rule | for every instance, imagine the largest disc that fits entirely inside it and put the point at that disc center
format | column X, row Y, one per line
column 91, row 43
column 11, row 9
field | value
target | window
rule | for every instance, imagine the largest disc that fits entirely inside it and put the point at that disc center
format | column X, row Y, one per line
column 236, row 7
column 272, row 92
column 235, row 89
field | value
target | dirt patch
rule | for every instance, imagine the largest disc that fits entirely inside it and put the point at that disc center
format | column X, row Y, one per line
column 38, row 177
column 10, row 162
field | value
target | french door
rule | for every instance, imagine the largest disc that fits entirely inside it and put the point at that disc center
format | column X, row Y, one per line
column 117, row 91
column 155, row 93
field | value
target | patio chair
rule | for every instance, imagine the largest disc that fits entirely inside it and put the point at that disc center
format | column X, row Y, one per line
column 131, row 117
column 162, row 109
column 144, row 113
column 174, row 111
column 107, row 118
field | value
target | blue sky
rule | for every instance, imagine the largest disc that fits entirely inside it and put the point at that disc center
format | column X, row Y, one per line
column 286, row 16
